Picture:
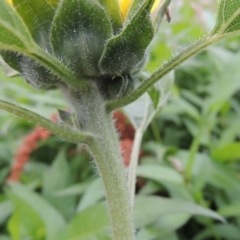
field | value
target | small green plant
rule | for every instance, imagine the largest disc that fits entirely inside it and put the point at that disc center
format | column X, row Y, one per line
column 94, row 52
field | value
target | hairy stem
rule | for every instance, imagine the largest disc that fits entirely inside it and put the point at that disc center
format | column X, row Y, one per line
column 60, row 131
column 92, row 117
column 161, row 72
column 111, row 170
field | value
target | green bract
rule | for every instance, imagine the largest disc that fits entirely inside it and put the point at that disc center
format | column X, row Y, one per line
column 88, row 37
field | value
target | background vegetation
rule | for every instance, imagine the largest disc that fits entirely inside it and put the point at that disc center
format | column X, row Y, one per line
column 190, row 152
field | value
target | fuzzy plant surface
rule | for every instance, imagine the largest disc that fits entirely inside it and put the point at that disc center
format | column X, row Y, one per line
column 94, row 52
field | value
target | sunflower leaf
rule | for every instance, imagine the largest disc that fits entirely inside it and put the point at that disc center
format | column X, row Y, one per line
column 228, row 18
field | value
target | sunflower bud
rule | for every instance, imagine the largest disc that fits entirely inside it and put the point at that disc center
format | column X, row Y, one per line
column 103, row 41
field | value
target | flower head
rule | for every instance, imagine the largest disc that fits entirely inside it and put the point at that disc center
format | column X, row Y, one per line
column 103, row 41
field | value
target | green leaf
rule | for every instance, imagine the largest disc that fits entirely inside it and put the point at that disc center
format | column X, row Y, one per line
column 147, row 234
column 14, row 34
column 124, row 51
column 178, row 191
column 188, row 108
column 57, row 178
column 228, row 82
column 161, row 91
column 172, row 222
column 169, row 236
column 53, row 221
column 163, row 227
column 150, row 233
column 113, row 11
column 25, row 221
column 5, row 237
column 94, row 193
column 159, row 53
column 80, row 30
column 149, row 188
column 229, row 152
column 5, row 211
column 222, row 177
column 150, row 209
column 169, row 178
column 230, row 132
column 223, row 231
column 14, row 225
column 232, row 210
column 91, row 224
column 155, row 96
column 142, row 111
column 228, row 18
column 159, row 173
column 76, row 189
column 37, row 16
column 158, row 149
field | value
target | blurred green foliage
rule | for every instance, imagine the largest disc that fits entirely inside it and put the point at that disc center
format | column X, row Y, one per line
column 191, row 154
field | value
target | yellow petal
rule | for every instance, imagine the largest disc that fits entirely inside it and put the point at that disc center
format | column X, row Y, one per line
column 155, row 5
column 125, row 5
column 9, row 1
